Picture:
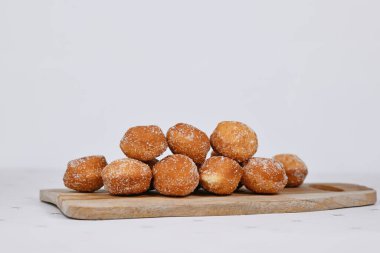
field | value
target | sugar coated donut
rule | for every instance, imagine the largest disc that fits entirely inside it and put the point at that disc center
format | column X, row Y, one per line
column 175, row 175
column 143, row 143
column 295, row 169
column 235, row 140
column 263, row 175
column 126, row 177
column 84, row 174
column 188, row 140
column 220, row 175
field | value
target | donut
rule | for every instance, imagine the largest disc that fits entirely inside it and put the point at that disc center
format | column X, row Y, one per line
column 84, row 174
column 234, row 140
column 264, row 175
column 143, row 143
column 213, row 153
column 295, row 169
column 188, row 140
column 220, row 175
column 126, row 177
column 175, row 175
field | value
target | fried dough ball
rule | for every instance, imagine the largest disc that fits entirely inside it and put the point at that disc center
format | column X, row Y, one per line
column 213, row 153
column 263, row 175
column 143, row 143
column 295, row 169
column 84, row 174
column 235, row 140
column 220, row 175
column 126, row 177
column 188, row 140
column 175, row 175
column 199, row 186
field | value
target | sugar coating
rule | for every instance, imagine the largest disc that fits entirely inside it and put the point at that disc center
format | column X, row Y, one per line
column 175, row 175
column 220, row 175
column 143, row 143
column 84, row 174
column 264, row 175
column 295, row 168
column 126, row 177
column 235, row 140
column 188, row 140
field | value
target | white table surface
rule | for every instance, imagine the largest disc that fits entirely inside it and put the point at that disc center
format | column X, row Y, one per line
column 28, row 225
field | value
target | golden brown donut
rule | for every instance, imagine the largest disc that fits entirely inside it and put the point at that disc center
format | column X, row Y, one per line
column 143, row 143
column 295, row 169
column 213, row 153
column 264, row 175
column 188, row 140
column 126, row 177
column 84, row 174
column 234, row 140
column 175, row 175
column 220, row 175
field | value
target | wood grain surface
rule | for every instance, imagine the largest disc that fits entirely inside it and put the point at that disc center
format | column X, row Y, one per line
column 309, row 197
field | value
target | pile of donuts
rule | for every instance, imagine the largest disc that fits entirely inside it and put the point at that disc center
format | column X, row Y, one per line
column 231, row 165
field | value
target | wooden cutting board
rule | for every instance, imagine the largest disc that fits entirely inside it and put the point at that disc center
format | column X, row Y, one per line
column 309, row 197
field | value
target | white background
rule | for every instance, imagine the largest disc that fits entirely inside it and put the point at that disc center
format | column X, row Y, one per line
column 74, row 75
